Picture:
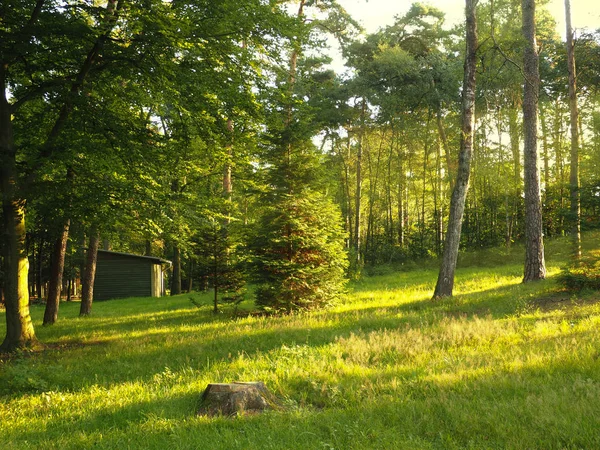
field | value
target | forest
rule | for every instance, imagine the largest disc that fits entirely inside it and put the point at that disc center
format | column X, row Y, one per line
column 393, row 233
column 218, row 136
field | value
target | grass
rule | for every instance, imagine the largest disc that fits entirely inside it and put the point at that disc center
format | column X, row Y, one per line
column 500, row 365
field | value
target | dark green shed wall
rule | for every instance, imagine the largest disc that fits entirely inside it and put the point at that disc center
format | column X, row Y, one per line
column 119, row 276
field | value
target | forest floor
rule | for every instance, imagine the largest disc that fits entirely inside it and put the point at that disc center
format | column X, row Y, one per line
column 500, row 365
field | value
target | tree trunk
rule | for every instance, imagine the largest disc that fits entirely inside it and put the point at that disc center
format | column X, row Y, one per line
column 89, row 274
column 450, row 169
column 176, row 279
column 357, row 205
column 19, row 328
column 535, row 268
column 348, row 199
column 20, row 332
column 546, row 208
column 438, row 200
column 445, row 282
column 227, row 183
column 390, row 227
column 514, row 134
column 215, row 272
column 56, row 276
column 401, row 193
column 424, row 192
column 69, row 288
column 575, row 209
column 190, row 276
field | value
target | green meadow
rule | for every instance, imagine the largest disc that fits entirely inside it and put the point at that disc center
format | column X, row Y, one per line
column 500, row 365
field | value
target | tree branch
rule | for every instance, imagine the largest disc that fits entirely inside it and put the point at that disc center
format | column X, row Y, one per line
column 113, row 7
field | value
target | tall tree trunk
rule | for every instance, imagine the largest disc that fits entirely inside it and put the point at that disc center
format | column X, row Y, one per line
column 401, row 193
column 215, row 271
column 357, row 204
column 290, row 107
column 373, row 185
column 227, row 183
column 514, row 134
column 176, row 279
column 56, row 275
column 422, row 224
column 450, row 166
column 37, row 268
column 546, row 211
column 438, row 200
column 388, row 190
column 89, row 274
column 535, row 267
column 346, row 181
column 445, row 282
column 19, row 328
column 574, row 193
column 557, row 134
column 81, row 261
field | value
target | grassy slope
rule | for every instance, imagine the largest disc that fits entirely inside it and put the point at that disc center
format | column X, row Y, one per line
column 500, row 365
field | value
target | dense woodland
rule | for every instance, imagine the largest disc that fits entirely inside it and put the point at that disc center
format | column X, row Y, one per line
column 217, row 136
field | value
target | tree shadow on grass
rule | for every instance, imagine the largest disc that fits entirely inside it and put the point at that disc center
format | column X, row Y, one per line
column 198, row 339
column 549, row 406
column 497, row 302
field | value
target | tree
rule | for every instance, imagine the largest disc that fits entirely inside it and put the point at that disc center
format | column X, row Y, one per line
column 89, row 274
column 575, row 195
column 535, row 268
column 19, row 328
column 117, row 60
column 445, row 282
column 220, row 260
column 299, row 257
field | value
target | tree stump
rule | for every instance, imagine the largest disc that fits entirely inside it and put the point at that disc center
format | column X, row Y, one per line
column 230, row 399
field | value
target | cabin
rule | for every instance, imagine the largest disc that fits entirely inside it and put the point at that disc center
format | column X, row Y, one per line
column 120, row 275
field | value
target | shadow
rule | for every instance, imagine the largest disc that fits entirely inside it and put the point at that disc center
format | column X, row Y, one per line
column 389, row 399
column 549, row 405
column 136, row 347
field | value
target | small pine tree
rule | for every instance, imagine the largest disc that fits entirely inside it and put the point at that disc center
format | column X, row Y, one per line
column 299, row 253
column 219, row 261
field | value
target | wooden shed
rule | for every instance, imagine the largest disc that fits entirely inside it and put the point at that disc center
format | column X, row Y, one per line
column 121, row 275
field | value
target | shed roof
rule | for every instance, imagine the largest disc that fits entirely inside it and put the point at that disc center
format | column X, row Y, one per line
column 156, row 259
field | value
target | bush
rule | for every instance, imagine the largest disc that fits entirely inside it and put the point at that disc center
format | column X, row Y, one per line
column 585, row 274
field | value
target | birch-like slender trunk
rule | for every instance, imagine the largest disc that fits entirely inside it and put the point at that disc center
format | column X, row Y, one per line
column 445, row 282
column 574, row 193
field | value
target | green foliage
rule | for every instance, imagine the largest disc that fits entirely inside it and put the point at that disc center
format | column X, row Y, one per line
column 299, row 259
column 218, row 257
column 582, row 274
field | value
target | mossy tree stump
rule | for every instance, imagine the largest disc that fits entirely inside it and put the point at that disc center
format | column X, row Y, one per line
column 230, row 399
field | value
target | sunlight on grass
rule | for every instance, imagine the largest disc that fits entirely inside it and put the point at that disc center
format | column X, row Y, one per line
column 500, row 365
